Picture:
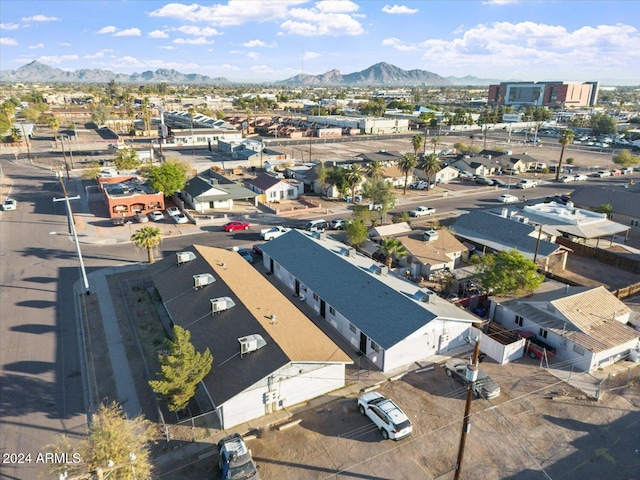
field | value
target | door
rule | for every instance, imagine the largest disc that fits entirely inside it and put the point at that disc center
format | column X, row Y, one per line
column 323, row 309
column 363, row 343
column 297, row 288
column 271, row 265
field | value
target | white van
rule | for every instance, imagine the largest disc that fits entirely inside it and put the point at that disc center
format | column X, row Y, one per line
column 524, row 183
column 316, row 225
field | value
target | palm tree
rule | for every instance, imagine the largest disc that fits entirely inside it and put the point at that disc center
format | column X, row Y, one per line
column 566, row 137
column 54, row 125
column 392, row 247
column 430, row 165
column 417, row 141
column 435, row 141
column 354, row 176
column 375, row 169
column 406, row 164
column 149, row 238
column 472, row 137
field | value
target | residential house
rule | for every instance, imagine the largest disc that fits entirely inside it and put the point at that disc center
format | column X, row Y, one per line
column 387, row 157
column 431, row 251
column 395, row 176
column 585, row 325
column 267, row 354
column 211, row 191
column 476, row 165
column 625, row 203
column 519, row 162
column 387, row 318
column 275, row 189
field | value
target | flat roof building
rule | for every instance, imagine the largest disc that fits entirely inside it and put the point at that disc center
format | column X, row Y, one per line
column 544, row 94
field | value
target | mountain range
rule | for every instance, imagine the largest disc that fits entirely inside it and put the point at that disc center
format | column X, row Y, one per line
column 378, row 75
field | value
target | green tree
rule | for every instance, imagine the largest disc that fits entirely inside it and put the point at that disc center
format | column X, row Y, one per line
column 602, row 124
column 112, row 438
column 407, row 163
column 375, row 107
column 91, row 171
column 380, row 193
column 626, row 159
column 182, row 368
column 401, row 217
column 461, row 147
column 100, row 114
column 7, row 110
column 54, row 125
column 417, row 141
column 15, row 135
column 506, row 273
column 30, row 114
column 435, row 141
column 430, row 166
column 392, row 247
column 357, row 232
column 168, row 178
column 354, row 177
column 148, row 238
column 375, row 169
column 566, row 138
column 605, row 208
column 126, row 159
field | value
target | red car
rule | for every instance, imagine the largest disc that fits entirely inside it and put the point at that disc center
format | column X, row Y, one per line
column 231, row 226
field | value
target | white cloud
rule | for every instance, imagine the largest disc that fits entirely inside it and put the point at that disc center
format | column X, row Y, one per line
column 40, row 18
column 399, row 44
column 499, row 2
column 158, row 34
column 129, row 32
column 109, row 29
column 64, row 44
column 236, row 12
column 253, row 54
column 310, row 55
column 314, row 21
column 193, row 41
column 261, row 69
column 399, row 10
column 254, row 43
column 7, row 41
column 337, row 6
column 33, row 47
column 197, row 31
column 57, row 59
column 99, row 54
column 167, row 47
column 9, row 26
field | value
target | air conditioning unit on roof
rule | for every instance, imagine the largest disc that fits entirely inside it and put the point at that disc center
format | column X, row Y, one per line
column 251, row 343
column 184, row 257
column 202, row 280
column 221, row 304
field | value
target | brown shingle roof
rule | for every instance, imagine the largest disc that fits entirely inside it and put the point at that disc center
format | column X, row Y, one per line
column 435, row 251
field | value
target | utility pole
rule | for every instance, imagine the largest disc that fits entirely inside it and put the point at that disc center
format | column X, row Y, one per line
column 26, row 141
column 535, row 256
column 73, row 229
column 472, row 370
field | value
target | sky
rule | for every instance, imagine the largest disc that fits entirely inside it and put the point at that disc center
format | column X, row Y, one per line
column 263, row 41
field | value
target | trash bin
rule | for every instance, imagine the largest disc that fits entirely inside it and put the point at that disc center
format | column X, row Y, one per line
column 358, row 199
column 347, row 199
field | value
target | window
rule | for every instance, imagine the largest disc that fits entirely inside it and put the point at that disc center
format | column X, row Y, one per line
column 332, row 310
column 315, row 297
column 519, row 320
column 635, row 223
column 543, row 333
column 374, row 346
column 578, row 349
column 352, row 327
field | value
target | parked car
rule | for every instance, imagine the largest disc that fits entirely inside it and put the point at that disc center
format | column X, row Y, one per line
column 236, row 225
column 579, row 178
column 422, row 211
column 173, row 211
column 484, row 386
column 338, row 223
column 9, row 204
column 141, row 218
column 386, row 415
column 616, row 173
column 567, row 179
column 273, row 232
column 319, row 225
column 234, row 459
column 506, row 198
column 527, row 183
column 117, row 221
column 419, row 185
column 246, row 253
column 536, row 348
column 180, row 218
column 156, row 216
column 483, row 181
column 499, row 183
column 602, row 174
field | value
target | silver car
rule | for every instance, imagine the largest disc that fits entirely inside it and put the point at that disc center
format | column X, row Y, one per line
column 484, row 386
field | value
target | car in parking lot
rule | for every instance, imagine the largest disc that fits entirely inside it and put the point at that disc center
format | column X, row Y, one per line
column 506, row 198
column 422, row 211
column 319, row 225
column 499, row 183
column 118, row 221
column 602, row 174
column 567, row 179
column 173, row 211
column 9, row 204
column 484, row 386
column 273, row 232
column 141, row 218
column 234, row 459
column 578, row 177
column 236, row 225
column 527, row 183
column 156, row 216
column 180, row 218
column 338, row 223
column 386, row 415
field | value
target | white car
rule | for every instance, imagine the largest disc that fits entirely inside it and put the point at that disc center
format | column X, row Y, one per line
column 9, row 204
column 386, row 415
column 273, row 232
column 156, row 216
column 506, row 198
column 419, row 185
column 579, row 178
column 602, row 174
column 180, row 218
column 567, row 179
column 173, row 211
column 422, row 211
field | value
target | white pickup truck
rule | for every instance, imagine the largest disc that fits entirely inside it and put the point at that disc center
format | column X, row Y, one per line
column 422, row 211
column 273, row 232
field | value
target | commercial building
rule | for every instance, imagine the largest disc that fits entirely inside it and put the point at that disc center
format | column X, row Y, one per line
column 544, row 94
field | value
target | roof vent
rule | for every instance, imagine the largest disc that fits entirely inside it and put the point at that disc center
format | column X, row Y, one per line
column 425, row 296
column 221, row 304
column 320, row 235
column 348, row 252
column 378, row 269
column 184, row 257
column 202, row 280
column 430, row 235
column 250, row 343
